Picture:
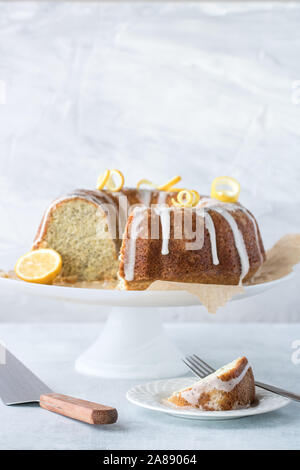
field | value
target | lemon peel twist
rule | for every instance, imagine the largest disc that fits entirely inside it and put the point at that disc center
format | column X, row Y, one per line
column 186, row 198
column 106, row 179
column 168, row 186
column 147, row 182
column 225, row 189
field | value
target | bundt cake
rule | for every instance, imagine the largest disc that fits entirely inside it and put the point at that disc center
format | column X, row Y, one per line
column 229, row 388
column 214, row 242
column 226, row 249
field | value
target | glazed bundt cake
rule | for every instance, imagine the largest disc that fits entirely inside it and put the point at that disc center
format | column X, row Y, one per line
column 229, row 388
column 97, row 240
column 229, row 251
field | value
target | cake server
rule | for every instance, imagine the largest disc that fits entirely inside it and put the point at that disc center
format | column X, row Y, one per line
column 18, row 385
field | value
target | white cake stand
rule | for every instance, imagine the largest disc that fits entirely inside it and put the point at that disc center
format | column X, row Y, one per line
column 133, row 343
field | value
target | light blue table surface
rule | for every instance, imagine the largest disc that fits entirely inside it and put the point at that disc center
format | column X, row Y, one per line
column 50, row 351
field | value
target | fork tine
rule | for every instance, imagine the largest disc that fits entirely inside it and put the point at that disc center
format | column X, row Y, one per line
column 191, row 368
column 203, row 363
column 199, row 367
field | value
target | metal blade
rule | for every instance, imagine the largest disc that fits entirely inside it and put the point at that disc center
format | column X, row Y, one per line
column 18, row 384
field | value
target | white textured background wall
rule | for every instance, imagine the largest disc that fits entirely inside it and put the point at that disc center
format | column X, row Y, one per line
column 155, row 89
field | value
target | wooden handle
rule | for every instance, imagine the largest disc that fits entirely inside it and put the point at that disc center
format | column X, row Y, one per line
column 86, row 411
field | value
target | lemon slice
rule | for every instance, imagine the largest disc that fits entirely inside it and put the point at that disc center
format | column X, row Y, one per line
column 102, row 180
column 225, row 188
column 39, row 266
column 111, row 184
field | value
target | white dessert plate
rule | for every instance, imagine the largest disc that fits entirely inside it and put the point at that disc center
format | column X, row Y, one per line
column 152, row 396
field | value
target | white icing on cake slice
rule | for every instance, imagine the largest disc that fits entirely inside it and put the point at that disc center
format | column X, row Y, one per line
column 213, row 382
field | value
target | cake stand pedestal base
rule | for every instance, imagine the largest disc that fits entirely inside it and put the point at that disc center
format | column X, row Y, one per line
column 133, row 344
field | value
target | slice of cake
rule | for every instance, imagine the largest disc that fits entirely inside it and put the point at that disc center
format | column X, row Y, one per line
column 229, row 388
column 80, row 227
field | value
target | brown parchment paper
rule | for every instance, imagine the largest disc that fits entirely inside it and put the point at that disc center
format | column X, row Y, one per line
column 211, row 296
column 281, row 259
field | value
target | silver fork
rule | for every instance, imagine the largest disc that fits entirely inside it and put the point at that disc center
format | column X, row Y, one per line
column 201, row 369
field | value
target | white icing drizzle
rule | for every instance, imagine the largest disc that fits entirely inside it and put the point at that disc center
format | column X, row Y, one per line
column 239, row 242
column 162, row 196
column 91, row 197
column 129, row 262
column 209, row 223
column 145, row 196
column 214, row 204
column 164, row 214
column 212, row 382
column 210, row 203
